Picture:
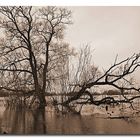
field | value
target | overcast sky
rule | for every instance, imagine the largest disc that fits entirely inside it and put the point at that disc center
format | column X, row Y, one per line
column 108, row 30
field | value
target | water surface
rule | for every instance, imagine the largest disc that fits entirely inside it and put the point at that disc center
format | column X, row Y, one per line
column 25, row 121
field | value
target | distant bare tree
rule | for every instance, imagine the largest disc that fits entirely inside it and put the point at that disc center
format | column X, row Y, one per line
column 84, row 71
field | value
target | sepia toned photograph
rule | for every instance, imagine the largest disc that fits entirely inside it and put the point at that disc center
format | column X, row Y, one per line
column 70, row 70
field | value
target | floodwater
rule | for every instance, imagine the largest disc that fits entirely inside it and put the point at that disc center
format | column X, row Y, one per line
column 23, row 121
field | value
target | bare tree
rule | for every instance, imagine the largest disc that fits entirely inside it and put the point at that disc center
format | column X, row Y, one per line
column 27, row 44
column 88, row 77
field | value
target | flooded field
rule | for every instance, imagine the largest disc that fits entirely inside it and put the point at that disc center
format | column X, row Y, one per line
column 23, row 121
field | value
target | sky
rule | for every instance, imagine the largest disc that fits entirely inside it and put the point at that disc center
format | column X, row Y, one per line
column 108, row 30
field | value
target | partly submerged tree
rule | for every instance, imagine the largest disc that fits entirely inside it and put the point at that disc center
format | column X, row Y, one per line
column 88, row 76
column 31, row 47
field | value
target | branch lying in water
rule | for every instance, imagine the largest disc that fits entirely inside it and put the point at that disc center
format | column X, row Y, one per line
column 106, row 100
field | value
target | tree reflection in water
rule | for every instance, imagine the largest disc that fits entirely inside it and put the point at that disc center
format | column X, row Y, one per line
column 25, row 121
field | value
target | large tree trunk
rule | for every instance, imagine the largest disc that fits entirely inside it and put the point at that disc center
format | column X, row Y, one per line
column 41, row 96
column 42, row 100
